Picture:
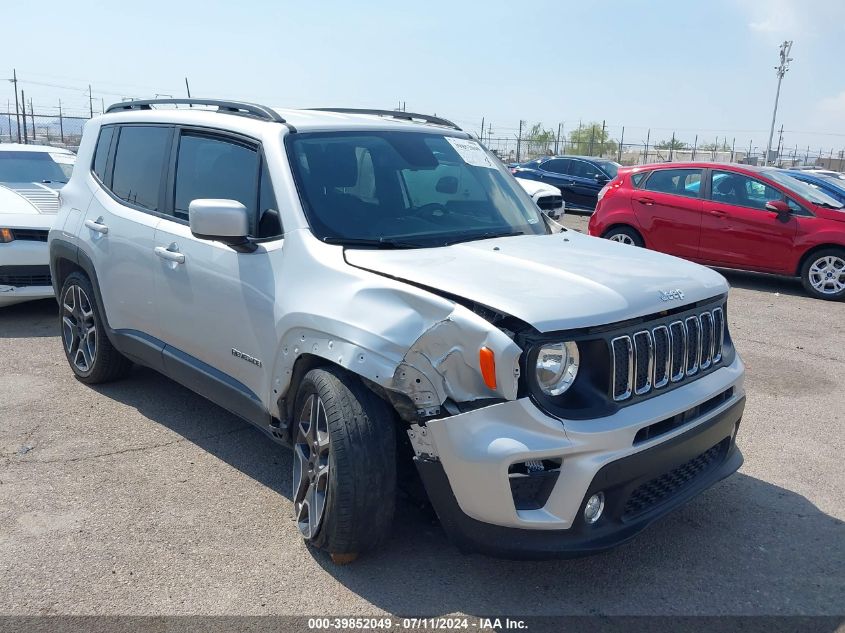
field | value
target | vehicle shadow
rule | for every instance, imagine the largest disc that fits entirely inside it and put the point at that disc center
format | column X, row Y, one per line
column 764, row 283
column 29, row 320
column 213, row 429
column 743, row 547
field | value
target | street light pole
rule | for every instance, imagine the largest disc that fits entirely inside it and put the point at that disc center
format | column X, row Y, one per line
column 781, row 71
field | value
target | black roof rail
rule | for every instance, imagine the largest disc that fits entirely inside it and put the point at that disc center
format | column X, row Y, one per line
column 395, row 114
column 226, row 107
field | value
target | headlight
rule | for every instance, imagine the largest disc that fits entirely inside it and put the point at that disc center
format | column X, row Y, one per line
column 556, row 368
column 6, row 235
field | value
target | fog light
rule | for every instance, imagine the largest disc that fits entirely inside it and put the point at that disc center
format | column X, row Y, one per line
column 594, row 508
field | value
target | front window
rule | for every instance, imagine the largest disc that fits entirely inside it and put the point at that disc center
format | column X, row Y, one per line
column 609, row 167
column 406, row 189
column 802, row 189
column 34, row 167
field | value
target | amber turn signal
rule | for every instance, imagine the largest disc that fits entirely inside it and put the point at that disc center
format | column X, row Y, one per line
column 6, row 236
column 488, row 366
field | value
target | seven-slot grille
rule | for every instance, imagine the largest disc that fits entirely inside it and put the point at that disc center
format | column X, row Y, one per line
column 652, row 358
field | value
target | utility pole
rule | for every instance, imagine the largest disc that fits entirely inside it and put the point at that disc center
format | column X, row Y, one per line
column 694, row 147
column 557, row 140
column 733, row 149
column 621, row 144
column 647, row 139
column 482, row 129
column 672, row 147
column 32, row 116
column 9, row 117
column 601, row 139
column 519, row 141
column 90, row 101
column 748, row 155
column 23, row 102
column 187, row 87
column 489, row 132
column 17, row 116
column 61, row 124
column 807, row 155
column 781, row 71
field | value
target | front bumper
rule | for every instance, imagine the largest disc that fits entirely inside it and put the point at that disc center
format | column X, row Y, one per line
column 467, row 481
column 19, row 261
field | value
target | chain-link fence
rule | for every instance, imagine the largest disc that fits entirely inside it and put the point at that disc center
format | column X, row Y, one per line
column 43, row 129
column 514, row 149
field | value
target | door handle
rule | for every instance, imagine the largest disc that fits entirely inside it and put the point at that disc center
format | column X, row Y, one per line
column 97, row 225
column 718, row 213
column 170, row 254
column 646, row 201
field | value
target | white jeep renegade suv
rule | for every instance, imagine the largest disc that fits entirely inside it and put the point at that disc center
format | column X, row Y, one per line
column 374, row 288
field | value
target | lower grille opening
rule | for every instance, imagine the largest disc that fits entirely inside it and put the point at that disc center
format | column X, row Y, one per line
column 22, row 276
column 532, row 482
column 660, row 489
column 669, row 424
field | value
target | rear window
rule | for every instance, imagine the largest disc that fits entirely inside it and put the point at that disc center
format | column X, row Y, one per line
column 139, row 164
column 680, row 182
column 101, row 154
column 638, row 178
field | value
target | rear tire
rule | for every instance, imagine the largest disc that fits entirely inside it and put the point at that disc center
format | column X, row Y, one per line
column 823, row 274
column 344, row 464
column 625, row 235
column 88, row 350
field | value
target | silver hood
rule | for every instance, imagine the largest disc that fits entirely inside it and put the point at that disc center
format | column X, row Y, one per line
column 554, row 282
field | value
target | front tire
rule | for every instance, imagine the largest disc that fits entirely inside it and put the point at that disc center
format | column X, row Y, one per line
column 88, row 350
column 823, row 274
column 344, row 464
column 625, row 235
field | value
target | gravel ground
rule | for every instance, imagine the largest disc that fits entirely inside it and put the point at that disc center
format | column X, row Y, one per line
column 139, row 497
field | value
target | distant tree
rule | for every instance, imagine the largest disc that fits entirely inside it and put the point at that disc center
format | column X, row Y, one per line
column 536, row 140
column 671, row 144
column 713, row 147
column 591, row 140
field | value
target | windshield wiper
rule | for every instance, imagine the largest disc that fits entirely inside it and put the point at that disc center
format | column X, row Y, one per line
column 382, row 242
column 482, row 236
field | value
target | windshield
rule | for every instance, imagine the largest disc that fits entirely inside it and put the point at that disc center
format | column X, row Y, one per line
column 406, row 189
column 801, row 188
column 32, row 167
column 609, row 167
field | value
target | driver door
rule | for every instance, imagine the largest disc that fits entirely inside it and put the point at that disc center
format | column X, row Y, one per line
column 736, row 229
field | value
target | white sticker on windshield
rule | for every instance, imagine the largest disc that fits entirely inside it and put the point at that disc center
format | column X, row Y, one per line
column 62, row 159
column 471, row 152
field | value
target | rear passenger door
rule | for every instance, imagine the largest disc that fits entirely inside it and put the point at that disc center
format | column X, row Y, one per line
column 668, row 207
column 118, row 233
column 215, row 304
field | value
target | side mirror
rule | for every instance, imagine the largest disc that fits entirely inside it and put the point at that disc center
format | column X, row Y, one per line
column 225, row 221
column 780, row 207
column 602, row 179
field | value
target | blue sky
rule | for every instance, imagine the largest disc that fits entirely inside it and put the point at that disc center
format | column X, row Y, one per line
column 704, row 67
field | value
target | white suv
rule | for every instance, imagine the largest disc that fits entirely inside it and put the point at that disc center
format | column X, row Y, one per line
column 374, row 289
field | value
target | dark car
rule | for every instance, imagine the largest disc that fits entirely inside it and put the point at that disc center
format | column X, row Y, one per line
column 579, row 178
column 831, row 185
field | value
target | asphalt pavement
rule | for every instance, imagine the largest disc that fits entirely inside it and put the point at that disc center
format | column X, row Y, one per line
column 139, row 497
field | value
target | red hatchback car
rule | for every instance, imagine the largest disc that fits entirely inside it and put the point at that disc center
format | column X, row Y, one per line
column 731, row 216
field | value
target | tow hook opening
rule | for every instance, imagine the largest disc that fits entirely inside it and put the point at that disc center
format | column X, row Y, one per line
column 532, row 481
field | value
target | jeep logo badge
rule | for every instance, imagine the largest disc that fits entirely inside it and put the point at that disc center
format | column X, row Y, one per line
column 671, row 295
